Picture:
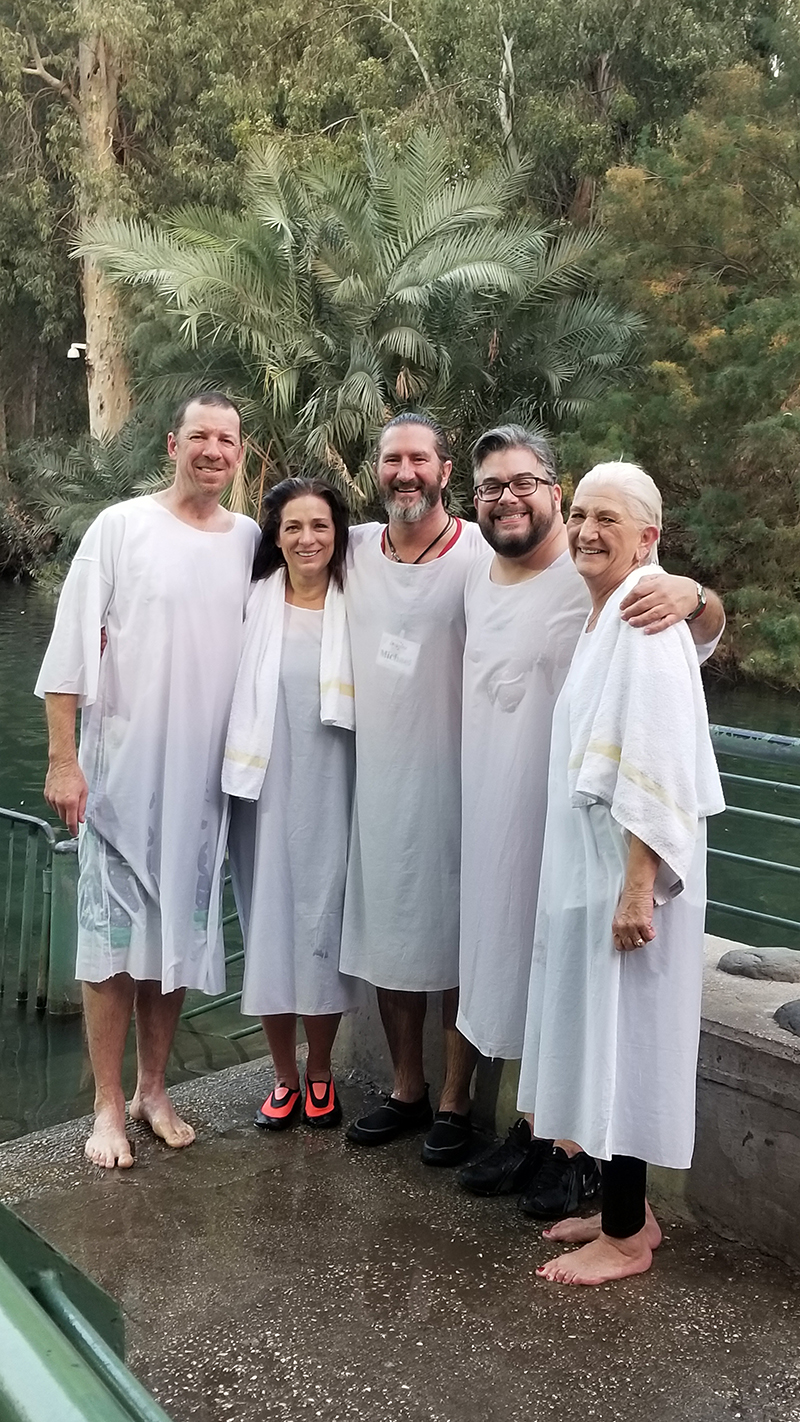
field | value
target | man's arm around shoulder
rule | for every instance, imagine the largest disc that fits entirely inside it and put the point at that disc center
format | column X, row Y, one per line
column 660, row 600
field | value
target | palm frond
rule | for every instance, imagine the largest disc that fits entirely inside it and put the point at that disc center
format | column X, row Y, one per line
column 341, row 292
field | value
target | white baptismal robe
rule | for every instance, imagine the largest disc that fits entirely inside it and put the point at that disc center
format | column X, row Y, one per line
column 288, row 850
column 407, row 638
column 520, row 641
column 611, row 1039
column 155, row 709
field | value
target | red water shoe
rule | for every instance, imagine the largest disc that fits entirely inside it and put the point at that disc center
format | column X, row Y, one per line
column 281, row 1108
column 322, row 1106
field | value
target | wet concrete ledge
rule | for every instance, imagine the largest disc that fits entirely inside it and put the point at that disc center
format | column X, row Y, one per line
column 295, row 1277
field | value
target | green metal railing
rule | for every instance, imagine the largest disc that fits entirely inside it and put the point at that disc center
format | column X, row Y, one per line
column 62, row 1340
column 38, row 876
column 731, row 742
column 38, row 923
column 29, row 851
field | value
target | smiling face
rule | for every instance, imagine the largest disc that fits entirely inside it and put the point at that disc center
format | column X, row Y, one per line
column 605, row 540
column 205, row 449
column 410, row 474
column 306, row 536
column 516, row 523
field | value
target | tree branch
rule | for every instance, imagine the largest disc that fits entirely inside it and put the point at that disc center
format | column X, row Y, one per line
column 39, row 71
column 772, row 163
column 506, row 92
column 413, row 51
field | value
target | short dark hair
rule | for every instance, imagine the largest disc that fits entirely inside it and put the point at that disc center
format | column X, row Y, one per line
column 514, row 437
column 269, row 556
column 416, row 417
column 204, row 397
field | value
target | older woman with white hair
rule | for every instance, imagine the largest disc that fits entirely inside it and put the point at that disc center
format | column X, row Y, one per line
column 613, row 1023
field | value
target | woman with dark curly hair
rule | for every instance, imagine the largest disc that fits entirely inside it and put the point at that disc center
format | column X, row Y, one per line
column 289, row 761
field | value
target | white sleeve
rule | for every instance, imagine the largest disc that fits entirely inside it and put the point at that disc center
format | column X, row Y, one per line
column 705, row 650
column 357, row 532
column 72, row 661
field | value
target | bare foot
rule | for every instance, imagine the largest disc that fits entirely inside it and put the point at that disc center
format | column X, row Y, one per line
column 582, row 1231
column 574, row 1230
column 108, row 1144
column 162, row 1118
column 600, row 1261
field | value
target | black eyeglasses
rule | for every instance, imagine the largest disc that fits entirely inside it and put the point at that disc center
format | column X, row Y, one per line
column 520, row 485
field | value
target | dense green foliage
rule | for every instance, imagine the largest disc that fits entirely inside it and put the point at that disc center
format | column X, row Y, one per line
column 669, row 127
column 715, row 411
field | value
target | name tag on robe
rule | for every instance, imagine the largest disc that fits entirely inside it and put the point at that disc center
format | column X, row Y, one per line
column 398, row 653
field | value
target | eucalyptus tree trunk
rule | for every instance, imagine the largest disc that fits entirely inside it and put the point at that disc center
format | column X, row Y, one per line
column 108, row 375
column 597, row 96
column 93, row 100
column 506, row 93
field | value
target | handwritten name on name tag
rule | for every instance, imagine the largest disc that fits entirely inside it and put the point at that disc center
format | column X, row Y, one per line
column 398, row 653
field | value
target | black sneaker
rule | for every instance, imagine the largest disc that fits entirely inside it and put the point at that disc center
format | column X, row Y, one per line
column 394, row 1118
column 562, row 1187
column 449, row 1139
column 508, row 1166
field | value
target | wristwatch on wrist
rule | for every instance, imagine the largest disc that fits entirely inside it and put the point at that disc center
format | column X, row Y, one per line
column 701, row 603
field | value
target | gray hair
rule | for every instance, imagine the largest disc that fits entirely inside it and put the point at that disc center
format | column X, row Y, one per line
column 639, row 491
column 514, row 437
column 417, row 417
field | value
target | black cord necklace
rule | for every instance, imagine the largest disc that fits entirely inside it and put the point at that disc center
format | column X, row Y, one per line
column 395, row 555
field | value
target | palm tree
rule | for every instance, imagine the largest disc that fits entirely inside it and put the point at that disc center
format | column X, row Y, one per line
column 348, row 295
column 66, row 488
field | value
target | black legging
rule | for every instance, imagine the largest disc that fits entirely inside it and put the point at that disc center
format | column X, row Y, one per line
column 624, row 1194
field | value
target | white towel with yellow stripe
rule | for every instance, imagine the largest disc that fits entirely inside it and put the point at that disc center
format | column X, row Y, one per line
column 252, row 721
column 648, row 757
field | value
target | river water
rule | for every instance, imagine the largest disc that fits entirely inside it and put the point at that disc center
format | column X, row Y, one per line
column 44, row 1074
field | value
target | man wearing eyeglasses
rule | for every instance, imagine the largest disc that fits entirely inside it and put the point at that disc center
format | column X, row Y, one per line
column 525, row 609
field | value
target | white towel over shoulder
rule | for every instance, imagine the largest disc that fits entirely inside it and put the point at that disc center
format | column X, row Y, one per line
column 252, row 721
column 641, row 754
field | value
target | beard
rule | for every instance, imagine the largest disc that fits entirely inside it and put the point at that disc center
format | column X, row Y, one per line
column 517, row 545
column 400, row 512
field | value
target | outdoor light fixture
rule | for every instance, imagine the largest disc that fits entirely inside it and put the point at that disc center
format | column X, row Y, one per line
column 75, row 350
